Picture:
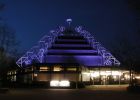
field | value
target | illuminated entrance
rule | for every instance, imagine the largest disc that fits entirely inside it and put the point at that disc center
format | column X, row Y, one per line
column 106, row 76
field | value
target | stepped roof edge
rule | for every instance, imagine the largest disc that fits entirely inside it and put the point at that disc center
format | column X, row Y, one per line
column 36, row 53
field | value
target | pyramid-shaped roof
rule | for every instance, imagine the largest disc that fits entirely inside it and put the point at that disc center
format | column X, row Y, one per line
column 66, row 45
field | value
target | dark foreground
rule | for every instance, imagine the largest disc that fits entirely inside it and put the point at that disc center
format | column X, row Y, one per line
column 89, row 93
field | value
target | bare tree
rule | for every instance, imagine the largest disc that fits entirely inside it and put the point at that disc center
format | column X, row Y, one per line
column 134, row 6
column 127, row 50
column 8, row 46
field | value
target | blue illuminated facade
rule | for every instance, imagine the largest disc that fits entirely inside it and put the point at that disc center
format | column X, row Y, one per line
column 70, row 54
column 56, row 40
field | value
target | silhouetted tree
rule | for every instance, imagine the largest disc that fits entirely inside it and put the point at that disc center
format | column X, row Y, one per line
column 126, row 49
column 8, row 45
column 127, row 45
column 134, row 6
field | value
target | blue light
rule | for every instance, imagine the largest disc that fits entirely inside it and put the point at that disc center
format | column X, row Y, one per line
column 39, row 52
column 108, row 58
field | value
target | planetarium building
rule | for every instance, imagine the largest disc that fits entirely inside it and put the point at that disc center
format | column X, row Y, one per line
column 69, row 55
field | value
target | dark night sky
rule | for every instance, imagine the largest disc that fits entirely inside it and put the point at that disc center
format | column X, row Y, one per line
column 33, row 18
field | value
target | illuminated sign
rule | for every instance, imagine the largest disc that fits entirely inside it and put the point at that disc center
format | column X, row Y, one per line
column 56, row 83
column 64, row 83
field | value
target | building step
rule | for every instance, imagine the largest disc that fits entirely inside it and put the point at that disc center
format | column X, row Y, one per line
column 71, row 46
column 72, row 52
column 71, row 42
column 82, row 60
column 70, row 37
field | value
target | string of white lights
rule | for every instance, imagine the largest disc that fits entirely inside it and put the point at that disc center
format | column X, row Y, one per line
column 37, row 52
column 108, row 58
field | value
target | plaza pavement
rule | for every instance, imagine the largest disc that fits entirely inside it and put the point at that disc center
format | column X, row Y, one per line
column 88, row 93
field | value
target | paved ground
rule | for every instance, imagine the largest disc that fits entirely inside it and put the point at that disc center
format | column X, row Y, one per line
column 89, row 93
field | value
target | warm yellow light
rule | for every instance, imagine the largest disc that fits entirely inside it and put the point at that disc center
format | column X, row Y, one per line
column 106, row 73
column 35, row 75
column 116, row 73
column 57, row 68
column 127, row 76
column 103, row 73
column 86, row 73
column 137, row 77
column 114, row 77
column 71, row 69
column 44, row 68
column 95, row 74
